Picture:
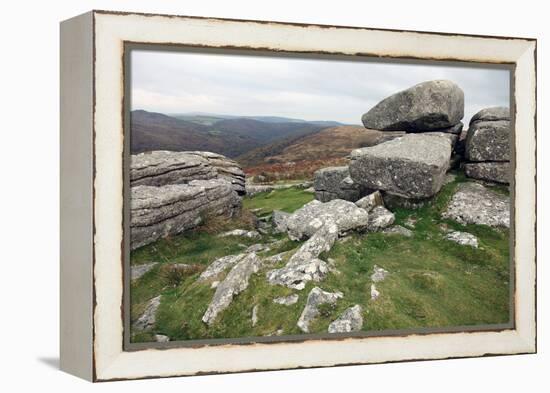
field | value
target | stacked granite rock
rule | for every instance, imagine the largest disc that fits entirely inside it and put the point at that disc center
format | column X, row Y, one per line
column 487, row 147
column 426, row 120
column 411, row 168
column 172, row 192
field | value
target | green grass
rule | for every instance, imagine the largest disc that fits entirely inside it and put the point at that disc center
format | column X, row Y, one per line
column 288, row 200
column 432, row 282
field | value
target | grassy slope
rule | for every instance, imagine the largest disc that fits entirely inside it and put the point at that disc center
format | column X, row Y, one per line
column 432, row 282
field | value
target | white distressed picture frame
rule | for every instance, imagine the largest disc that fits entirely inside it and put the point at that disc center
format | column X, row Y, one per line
column 92, row 197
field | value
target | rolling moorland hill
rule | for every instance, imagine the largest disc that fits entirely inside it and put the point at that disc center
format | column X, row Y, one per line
column 300, row 156
column 228, row 136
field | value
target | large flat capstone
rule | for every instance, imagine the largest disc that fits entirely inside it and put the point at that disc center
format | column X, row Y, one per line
column 412, row 166
column 431, row 105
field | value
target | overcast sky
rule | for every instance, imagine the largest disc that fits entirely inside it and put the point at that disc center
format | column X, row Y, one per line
column 309, row 89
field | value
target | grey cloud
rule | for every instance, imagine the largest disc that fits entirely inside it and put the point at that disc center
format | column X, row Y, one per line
column 179, row 82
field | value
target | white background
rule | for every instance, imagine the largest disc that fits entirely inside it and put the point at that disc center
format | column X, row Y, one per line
column 29, row 182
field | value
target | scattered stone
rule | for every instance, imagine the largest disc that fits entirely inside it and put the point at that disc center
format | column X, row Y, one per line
column 161, row 338
column 472, row 203
column 335, row 183
column 350, row 321
column 398, row 230
column 257, row 248
column 160, row 168
column 158, row 212
column 370, row 201
column 242, row 233
column 412, row 166
column 380, row 218
column 235, row 282
column 307, row 220
column 286, row 300
column 253, row 189
column 379, row 274
column 427, row 106
column 254, row 315
column 214, row 284
column 315, row 298
column 311, row 190
column 491, row 114
column 410, row 222
column 499, row 172
column 304, row 265
column 462, row 238
column 220, row 265
column 279, row 219
column 274, row 259
column 374, row 293
column 488, row 141
column 147, row 320
column 136, row 271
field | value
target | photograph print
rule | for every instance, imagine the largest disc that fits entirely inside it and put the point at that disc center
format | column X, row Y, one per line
column 284, row 197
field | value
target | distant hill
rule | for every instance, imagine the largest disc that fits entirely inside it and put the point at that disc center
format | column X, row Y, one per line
column 211, row 118
column 299, row 157
column 333, row 142
column 228, row 136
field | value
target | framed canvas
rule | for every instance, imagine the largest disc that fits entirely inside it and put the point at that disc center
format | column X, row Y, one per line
column 245, row 195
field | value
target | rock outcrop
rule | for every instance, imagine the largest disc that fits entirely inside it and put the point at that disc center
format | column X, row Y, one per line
column 305, row 265
column 160, row 168
column 427, row 106
column 473, row 203
column 307, row 220
column 335, row 183
column 287, row 300
column 278, row 220
column 412, row 166
column 157, row 212
column 351, row 320
column 498, row 172
column 137, row 271
column 315, row 298
column 488, row 146
column 235, row 282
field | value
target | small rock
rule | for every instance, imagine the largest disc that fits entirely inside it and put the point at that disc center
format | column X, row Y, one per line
column 379, row 274
column 220, row 265
column 286, row 300
column 350, row 321
column 242, row 233
column 257, row 248
column 370, row 201
column 315, row 298
column 380, row 218
column 398, row 230
column 148, row 318
column 304, row 265
column 255, row 315
column 462, row 238
column 374, row 294
column 410, row 222
column 136, row 271
column 161, row 338
column 235, row 282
